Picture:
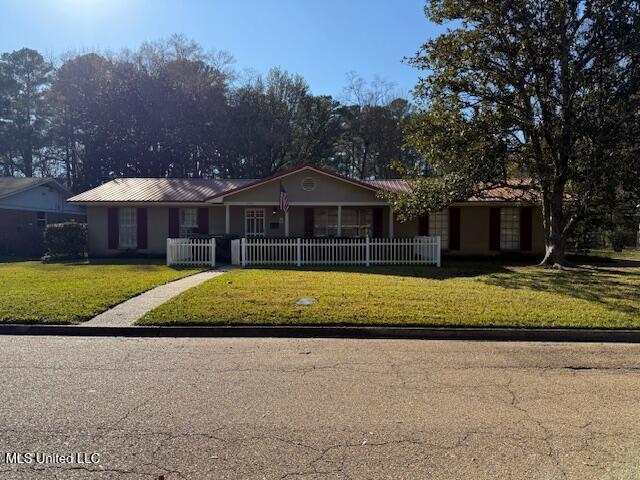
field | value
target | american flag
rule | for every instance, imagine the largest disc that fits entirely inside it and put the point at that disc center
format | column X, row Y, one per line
column 284, row 199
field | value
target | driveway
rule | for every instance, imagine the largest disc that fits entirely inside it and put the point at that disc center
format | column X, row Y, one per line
column 277, row 408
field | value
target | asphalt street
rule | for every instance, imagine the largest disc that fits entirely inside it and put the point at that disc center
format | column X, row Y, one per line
column 315, row 409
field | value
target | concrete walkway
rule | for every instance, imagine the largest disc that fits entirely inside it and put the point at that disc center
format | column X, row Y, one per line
column 126, row 313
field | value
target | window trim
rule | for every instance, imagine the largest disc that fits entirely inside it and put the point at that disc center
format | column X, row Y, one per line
column 262, row 217
column 184, row 227
column 510, row 240
column 133, row 227
column 439, row 224
column 330, row 229
column 364, row 229
column 327, row 227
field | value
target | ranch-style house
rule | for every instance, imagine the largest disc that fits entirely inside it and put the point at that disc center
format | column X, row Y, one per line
column 140, row 214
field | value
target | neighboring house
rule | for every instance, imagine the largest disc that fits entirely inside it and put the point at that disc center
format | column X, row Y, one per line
column 139, row 214
column 27, row 205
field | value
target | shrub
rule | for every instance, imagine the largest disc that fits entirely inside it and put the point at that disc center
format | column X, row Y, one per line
column 618, row 238
column 65, row 240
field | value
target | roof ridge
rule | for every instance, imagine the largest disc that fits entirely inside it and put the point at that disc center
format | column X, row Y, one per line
column 27, row 183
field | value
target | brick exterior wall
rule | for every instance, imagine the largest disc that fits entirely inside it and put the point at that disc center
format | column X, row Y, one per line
column 20, row 234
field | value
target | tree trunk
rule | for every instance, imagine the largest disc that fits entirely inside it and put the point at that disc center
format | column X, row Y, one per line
column 554, row 228
column 27, row 158
column 67, row 159
column 554, row 255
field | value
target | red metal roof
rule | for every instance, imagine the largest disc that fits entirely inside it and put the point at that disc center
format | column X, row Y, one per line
column 200, row 190
column 394, row 185
column 158, row 190
column 513, row 192
column 516, row 190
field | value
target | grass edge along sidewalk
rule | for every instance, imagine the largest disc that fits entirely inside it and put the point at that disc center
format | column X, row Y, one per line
column 72, row 292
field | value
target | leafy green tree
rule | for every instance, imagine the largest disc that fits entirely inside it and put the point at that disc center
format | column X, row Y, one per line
column 316, row 129
column 79, row 99
column 370, row 139
column 264, row 128
column 543, row 91
column 148, row 113
column 170, row 109
column 7, row 85
column 27, row 116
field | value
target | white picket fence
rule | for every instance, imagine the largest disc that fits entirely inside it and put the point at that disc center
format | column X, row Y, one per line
column 191, row 251
column 336, row 251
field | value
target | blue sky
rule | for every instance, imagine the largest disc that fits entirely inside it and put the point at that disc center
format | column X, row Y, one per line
column 319, row 39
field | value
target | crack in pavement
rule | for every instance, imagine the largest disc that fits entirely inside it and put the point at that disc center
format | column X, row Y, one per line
column 238, row 408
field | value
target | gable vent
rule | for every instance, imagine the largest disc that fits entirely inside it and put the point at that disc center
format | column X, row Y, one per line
column 308, row 184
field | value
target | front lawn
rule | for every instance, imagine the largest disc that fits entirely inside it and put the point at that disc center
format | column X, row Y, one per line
column 32, row 292
column 627, row 253
column 459, row 294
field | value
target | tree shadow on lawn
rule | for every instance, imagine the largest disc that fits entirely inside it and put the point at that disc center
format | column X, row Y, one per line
column 133, row 262
column 613, row 285
column 10, row 259
column 600, row 261
column 86, row 261
column 452, row 268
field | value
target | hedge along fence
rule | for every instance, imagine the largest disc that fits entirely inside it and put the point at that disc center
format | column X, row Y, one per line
column 65, row 240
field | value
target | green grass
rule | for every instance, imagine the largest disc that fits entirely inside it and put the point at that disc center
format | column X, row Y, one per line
column 32, row 292
column 459, row 294
column 627, row 253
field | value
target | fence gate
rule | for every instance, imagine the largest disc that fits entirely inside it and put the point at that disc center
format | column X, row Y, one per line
column 191, row 251
column 235, row 252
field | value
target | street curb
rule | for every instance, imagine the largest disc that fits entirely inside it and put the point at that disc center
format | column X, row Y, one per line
column 408, row 333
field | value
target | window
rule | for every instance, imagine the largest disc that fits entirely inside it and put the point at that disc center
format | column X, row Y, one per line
column 41, row 220
column 254, row 221
column 509, row 229
column 188, row 222
column 325, row 222
column 128, row 228
column 356, row 222
column 439, row 226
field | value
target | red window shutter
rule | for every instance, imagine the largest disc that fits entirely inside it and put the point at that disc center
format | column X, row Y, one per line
column 113, row 229
column 377, row 222
column 141, row 219
column 174, row 223
column 203, row 221
column 423, row 225
column 494, row 229
column 526, row 229
column 454, row 228
column 309, row 220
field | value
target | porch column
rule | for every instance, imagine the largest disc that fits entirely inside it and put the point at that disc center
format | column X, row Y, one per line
column 227, row 220
column 339, row 232
column 286, row 223
column 390, row 221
